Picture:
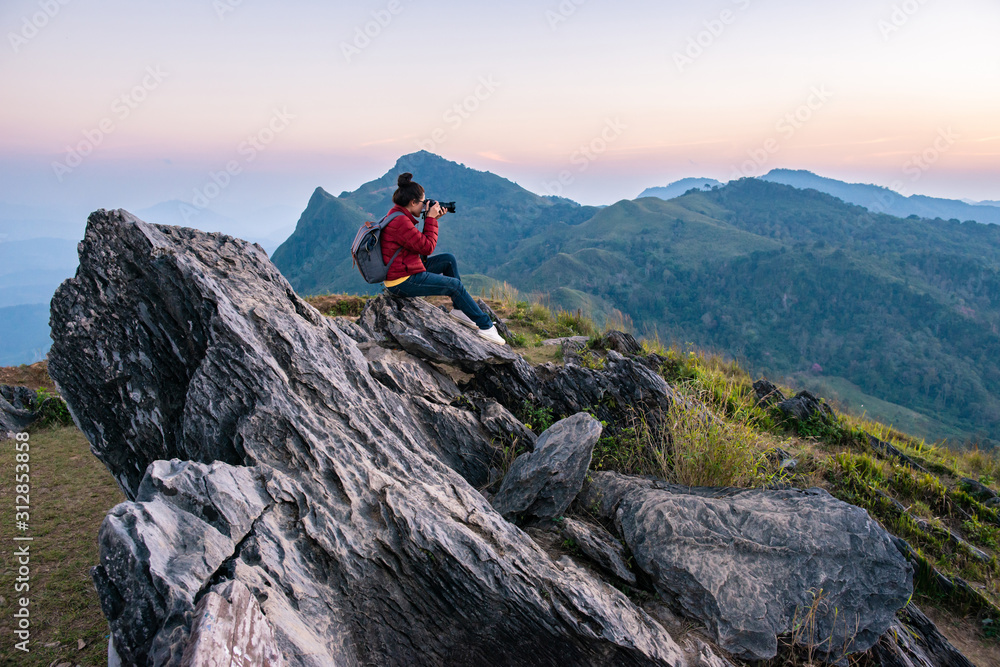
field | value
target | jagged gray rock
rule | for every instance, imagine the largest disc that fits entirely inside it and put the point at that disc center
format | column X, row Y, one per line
column 578, row 341
column 914, row 641
column 617, row 393
column 620, row 341
column 230, row 627
column 599, row 545
column 979, row 490
column 953, row 537
column 363, row 545
column 542, row 484
column 158, row 552
column 886, row 450
column 804, row 406
column 501, row 326
column 749, row 562
column 417, row 327
column 706, row 657
column 767, row 393
column 17, row 410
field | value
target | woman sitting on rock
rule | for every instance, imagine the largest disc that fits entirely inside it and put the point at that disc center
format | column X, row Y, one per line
column 409, row 276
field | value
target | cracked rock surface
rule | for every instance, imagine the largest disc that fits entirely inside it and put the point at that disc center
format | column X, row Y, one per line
column 317, row 480
column 302, row 472
column 751, row 563
column 542, row 484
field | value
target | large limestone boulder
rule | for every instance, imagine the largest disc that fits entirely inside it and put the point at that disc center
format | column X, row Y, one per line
column 334, row 482
column 754, row 565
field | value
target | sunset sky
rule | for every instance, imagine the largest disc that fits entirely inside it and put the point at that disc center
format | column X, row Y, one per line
column 622, row 95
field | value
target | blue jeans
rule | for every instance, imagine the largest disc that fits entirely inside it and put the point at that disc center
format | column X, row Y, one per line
column 441, row 277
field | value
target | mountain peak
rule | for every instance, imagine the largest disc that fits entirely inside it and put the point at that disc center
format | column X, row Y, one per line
column 781, row 171
column 677, row 188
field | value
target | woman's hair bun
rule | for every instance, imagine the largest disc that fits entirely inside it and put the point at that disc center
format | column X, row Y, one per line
column 408, row 191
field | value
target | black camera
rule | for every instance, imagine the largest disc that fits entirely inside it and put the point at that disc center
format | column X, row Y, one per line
column 446, row 205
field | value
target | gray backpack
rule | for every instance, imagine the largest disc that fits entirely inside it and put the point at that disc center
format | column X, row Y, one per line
column 367, row 250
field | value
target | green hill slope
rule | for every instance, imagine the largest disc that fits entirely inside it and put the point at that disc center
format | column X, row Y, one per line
column 493, row 216
column 787, row 280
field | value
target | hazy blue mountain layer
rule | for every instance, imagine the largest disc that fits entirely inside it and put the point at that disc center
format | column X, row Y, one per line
column 677, row 188
column 24, row 334
column 884, row 200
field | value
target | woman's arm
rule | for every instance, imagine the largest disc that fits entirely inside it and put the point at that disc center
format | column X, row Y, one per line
column 413, row 240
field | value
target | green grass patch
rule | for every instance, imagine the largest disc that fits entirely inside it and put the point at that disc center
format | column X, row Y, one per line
column 71, row 492
column 687, row 445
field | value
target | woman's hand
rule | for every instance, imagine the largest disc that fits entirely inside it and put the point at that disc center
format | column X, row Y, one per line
column 435, row 211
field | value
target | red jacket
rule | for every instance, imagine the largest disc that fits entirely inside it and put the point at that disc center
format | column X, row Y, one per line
column 402, row 232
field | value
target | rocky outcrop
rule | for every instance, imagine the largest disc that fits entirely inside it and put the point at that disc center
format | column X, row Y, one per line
column 599, row 546
column 17, row 410
column 313, row 482
column 619, row 341
column 159, row 552
column 229, row 624
column 767, row 393
column 615, row 393
column 21, row 407
column 501, row 326
column 887, row 450
column 805, row 406
column 752, row 563
column 360, row 542
column 914, row 641
column 977, row 489
column 541, row 484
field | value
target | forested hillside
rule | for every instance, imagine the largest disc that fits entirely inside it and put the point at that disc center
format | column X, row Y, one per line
column 787, row 280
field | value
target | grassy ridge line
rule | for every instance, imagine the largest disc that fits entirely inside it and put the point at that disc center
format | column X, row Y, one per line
column 746, row 444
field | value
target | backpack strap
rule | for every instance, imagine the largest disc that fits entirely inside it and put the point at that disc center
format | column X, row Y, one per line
column 385, row 223
column 394, row 256
column 389, row 218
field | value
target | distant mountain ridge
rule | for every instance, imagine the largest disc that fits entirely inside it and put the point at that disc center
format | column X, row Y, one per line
column 883, row 200
column 677, row 188
column 493, row 216
column 24, row 333
column 875, row 198
column 272, row 226
column 787, row 279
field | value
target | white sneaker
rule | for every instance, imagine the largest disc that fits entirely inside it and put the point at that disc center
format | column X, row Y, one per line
column 463, row 318
column 492, row 335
